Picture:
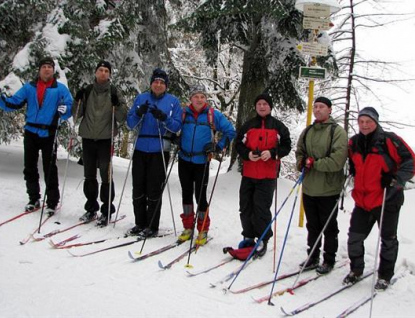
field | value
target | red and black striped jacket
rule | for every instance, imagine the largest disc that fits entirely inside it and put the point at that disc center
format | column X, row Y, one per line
column 371, row 157
column 261, row 134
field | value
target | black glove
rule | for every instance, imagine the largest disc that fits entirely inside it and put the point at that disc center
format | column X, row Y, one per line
column 80, row 94
column 114, row 100
column 386, row 180
column 140, row 111
column 158, row 114
column 176, row 140
column 209, row 147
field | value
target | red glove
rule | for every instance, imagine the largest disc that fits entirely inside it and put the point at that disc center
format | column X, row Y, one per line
column 309, row 163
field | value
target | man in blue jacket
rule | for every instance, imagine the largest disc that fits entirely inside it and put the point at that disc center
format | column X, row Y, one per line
column 197, row 142
column 46, row 100
column 157, row 115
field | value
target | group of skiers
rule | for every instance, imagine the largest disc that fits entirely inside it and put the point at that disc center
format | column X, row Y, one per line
column 380, row 162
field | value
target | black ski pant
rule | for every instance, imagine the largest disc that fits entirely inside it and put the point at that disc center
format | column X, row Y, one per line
column 317, row 211
column 97, row 155
column 194, row 179
column 148, row 179
column 361, row 224
column 255, row 200
column 32, row 145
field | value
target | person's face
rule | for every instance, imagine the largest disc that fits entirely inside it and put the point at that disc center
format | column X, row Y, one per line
column 158, row 87
column 366, row 125
column 321, row 111
column 198, row 101
column 262, row 108
column 46, row 72
column 102, row 74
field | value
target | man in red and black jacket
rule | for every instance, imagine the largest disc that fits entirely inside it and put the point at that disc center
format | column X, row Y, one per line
column 261, row 142
column 378, row 160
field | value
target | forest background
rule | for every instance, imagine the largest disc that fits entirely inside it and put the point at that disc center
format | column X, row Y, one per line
column 236, row 48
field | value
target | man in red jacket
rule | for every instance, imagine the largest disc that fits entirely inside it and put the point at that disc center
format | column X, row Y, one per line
column 378, row 160
column 260, row 142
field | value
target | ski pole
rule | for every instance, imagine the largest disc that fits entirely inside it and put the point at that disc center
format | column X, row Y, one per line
column 69, row 149
column 372, row 295
column 110, row 189
column 275, row 211
column 210, row 199
column 52, row 159
column 283, row 247
column 322, row 232
column 128, row 168
column 162, row 190
column 202, row 185
column 297, row 183
column 165, row 172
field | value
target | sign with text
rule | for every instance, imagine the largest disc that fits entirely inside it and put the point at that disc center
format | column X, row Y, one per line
column 316, row 10
column 313, row 49
column 313, row 72
column 316, row 23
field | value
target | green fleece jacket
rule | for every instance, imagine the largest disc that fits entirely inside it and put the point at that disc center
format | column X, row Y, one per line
column 326, row 177
column 96, row 116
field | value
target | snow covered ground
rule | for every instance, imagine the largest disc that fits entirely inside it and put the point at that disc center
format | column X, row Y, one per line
column 38, row 281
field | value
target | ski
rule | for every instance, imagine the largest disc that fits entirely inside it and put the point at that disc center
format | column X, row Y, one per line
column 316, row 302
column 138, row 239
column 155, row 252
column 180, row 257
column 363, row 301
column 27, row 239
column 62, row 243
column 226, row 261
column 54, row 232
column 299, row 284
column 19, row 216
column 265, row 283
column 229, row 276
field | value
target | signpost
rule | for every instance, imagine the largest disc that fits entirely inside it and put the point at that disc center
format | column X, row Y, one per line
column 316, row 18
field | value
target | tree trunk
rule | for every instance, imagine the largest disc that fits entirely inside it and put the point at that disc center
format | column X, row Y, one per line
column 254, row 79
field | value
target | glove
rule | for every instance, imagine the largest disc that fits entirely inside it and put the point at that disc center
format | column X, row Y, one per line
column 386, row 180
column 62, row 109
column 114, row 100
column 80, row 94
column 158, row 114
column 208, row 148
column 308, row 164
column 140, row 111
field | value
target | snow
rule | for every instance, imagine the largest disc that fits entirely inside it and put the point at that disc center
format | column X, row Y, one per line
column 38, row 281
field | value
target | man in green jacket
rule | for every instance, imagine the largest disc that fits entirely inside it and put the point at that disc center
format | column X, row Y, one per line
column 99, row 104
column 322, row 152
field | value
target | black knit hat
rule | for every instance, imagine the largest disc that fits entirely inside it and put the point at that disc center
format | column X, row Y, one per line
column 159, row 74
column 370, row 112
column 103, row 64
column 47, row 60
column 265, row 97
column 323, row 100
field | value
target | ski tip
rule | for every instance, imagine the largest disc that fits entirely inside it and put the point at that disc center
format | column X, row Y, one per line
column 160, row 264
column 284, row 312
column 189, row 274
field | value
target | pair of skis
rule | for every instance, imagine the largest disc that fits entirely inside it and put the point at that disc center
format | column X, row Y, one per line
column 19, row 216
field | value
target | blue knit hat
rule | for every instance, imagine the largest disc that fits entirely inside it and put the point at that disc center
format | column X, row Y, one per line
column 159, row 74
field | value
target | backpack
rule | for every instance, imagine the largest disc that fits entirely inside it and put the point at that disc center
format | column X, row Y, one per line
column 89, row 88
column 332, row 129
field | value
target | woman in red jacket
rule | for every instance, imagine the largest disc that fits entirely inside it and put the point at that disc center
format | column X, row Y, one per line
column 378, row 160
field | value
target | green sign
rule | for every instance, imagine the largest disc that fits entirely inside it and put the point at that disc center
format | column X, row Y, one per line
column 313, row 72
